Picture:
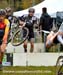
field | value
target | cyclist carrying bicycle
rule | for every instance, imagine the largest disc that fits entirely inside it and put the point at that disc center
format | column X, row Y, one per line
column 30, row 20
column 4, row 30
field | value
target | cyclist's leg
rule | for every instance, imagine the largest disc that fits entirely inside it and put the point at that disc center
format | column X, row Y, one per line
column 32, row 45
column 31, row 39
column 3, row 46
column 25, row 46
column 25, row 42
column 2, row 51
column 0, row 59
column 49, row 41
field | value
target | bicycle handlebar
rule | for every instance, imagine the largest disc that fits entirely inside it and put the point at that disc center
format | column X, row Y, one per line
column 43, row 31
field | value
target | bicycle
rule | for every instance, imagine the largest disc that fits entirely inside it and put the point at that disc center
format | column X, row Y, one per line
column 16, row 32
column 59, row 65
column 13, row 27
column 18, row 38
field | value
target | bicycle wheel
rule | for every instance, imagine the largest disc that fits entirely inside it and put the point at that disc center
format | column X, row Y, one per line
column 14, row 23
column 13, row 27
column 59, row 66
column 18, row 37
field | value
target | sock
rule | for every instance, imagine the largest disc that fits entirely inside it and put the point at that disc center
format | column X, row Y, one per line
column 25, row 49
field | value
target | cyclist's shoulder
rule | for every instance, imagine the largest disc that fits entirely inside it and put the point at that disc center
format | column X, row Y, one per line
column 24, row 16
column 6, row 21
column 34, row 17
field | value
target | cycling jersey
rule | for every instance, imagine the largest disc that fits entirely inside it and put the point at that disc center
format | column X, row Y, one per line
column 4, row 29
column 6, row 22
column 4, row 25
column 30, row 21
column 10, row 20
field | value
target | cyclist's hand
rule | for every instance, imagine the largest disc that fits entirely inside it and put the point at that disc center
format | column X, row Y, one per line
column 21, row 23
column 3, row 46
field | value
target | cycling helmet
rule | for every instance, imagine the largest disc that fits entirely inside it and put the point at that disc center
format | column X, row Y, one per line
column 8, row 9
column 2, row 12
column 31, row 10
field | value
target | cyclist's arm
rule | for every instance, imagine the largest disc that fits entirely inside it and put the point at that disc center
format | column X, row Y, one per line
column 60, row 35
column 21, row 20
column 6, row 32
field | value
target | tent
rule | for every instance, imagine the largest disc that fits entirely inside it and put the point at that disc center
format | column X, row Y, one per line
column 53, row 6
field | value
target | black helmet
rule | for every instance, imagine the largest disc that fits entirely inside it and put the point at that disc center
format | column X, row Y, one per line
column 2, row 12
column 8, row 9
column 31, row 10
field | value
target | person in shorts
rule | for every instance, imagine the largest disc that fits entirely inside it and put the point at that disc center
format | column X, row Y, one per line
column 4, row 30
column 30, row 20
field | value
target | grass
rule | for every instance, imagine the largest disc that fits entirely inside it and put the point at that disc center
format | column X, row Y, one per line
column 29, row 70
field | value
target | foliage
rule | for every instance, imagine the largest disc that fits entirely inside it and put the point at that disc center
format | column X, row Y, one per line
column 18, row 4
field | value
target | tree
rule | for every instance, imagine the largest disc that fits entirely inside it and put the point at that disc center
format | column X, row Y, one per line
column 29, row 3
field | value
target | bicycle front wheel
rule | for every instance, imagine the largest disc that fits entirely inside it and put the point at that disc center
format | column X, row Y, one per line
column 59, row 66
column 19, row 37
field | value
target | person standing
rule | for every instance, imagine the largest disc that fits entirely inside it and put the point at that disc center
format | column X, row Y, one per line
column 45, row 22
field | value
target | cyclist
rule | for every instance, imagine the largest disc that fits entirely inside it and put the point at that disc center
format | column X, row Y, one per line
column 9, row 14
column 30, row 20
column 4, row 30
column 55, row 37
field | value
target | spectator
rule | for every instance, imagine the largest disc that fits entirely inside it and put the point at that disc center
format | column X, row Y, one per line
column 45, row 22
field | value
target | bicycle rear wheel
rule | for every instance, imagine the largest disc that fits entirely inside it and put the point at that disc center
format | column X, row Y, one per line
column 18, row 37
column 59, row 66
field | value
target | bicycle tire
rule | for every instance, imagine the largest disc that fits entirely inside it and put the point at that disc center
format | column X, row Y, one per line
column 22, row 39
column 59, row 66
column 13, row 27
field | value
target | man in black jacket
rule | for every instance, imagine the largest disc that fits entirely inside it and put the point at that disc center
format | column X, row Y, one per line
column 45, row 22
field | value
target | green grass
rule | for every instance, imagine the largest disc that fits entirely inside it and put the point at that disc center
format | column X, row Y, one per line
column 29, row 70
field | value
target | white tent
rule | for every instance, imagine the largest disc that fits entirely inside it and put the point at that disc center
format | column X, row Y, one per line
column 52, row 5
